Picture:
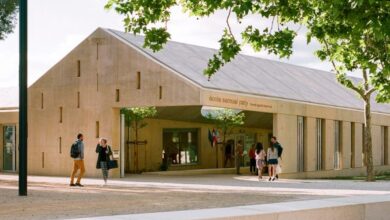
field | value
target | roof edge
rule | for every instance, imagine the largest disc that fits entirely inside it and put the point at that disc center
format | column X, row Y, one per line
column 143, row 52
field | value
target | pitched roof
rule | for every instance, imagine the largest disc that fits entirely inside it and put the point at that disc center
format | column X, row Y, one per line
column 9, row 98
column 253, row 75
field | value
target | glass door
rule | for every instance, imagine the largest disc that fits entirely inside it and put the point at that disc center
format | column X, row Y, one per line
column 250, row 139
column 9, row 148
column 241, row 138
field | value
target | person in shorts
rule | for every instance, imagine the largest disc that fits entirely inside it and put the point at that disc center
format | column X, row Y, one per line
column 260, row 159
column 272, row 159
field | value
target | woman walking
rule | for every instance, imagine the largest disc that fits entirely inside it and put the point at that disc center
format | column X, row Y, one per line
column 260, row 160
column 104, row 152
column 272, row 158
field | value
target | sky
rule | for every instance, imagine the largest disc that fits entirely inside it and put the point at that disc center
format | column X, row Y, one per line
column 56, row 27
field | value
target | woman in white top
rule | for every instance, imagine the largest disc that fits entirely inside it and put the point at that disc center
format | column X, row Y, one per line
column 260, row 159
column 272, row 158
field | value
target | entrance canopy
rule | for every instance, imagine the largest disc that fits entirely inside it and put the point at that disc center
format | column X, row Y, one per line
column 194, row 114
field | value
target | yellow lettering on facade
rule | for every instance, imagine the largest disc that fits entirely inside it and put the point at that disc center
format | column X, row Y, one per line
column 240, row 103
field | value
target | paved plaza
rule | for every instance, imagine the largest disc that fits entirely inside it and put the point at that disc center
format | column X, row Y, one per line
column 52, row 198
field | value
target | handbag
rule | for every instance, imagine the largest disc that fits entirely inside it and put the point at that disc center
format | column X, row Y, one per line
column 112, row 164
column 278, row 169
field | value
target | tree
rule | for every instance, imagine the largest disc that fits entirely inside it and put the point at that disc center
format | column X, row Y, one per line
column 8, row 13
column 225, row 119
column 354, row 36
column 135, row 118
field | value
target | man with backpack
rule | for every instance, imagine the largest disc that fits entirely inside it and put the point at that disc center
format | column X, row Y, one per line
column 77, row 153
column 279, row 147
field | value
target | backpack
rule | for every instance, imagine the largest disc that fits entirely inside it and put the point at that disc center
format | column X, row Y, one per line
column 74, row 150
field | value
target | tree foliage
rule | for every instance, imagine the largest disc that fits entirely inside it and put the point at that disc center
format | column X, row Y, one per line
column 354, row 36
column 135, row 116
column 226, row 119
column 8, row 12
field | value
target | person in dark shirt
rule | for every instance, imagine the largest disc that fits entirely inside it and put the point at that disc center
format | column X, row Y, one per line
column 228, row 154
column 252, row 162
column 78, row 162
column 104, row 152
column 279, row 147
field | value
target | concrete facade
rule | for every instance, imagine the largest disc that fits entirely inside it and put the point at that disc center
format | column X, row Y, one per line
column 85, row 91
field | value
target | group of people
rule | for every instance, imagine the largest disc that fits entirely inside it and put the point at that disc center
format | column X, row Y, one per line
column 77, row 153
column 259, row 159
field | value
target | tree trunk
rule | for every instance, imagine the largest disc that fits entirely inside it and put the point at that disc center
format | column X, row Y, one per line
column 367, row 145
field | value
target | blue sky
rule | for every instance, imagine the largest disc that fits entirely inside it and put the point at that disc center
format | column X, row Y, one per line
column 56, row 27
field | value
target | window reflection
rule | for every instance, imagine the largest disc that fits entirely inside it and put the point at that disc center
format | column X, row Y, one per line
column 180, row 146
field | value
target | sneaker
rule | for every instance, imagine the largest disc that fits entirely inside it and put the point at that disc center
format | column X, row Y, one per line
column 277, row 176
column 270, row 179
column 72, row 184
column 273, row 179
column 79, row 185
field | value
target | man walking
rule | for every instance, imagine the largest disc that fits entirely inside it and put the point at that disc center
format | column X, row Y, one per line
column 77, row 153
column 239, row 152
column 279, row 147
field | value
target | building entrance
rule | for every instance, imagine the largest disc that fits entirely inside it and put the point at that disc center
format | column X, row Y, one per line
column 247, row 140
column 9, row 148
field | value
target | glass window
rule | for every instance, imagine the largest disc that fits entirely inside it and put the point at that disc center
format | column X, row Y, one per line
column 300, row 143
column 319, row 143
column 337, row 144
column 249, row 140
column 9, row 148
column 180, row 146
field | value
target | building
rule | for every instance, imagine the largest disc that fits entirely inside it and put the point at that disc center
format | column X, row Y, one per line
column 8, row 129
column 318, row 121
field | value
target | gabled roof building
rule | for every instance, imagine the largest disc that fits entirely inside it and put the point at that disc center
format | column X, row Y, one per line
column 318, row 121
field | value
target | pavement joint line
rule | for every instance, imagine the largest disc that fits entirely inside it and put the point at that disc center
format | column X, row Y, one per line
column 243, row 211
column 161, row 185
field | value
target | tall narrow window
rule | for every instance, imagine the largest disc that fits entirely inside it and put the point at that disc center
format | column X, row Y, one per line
column 353, row 152
column 78, row 99
column 117, row 95
column 160, row 92
column 97, row 129
column 386, row 145
column 337, row 145
column 97, row 82
column 383, row 145
column 43, row 159
column 138, row 80
column 60, row 114
column 42, row 100
column 97, row 50
column 300, row 144
column 319, row 143
column 60, row 145
column 78, row 68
